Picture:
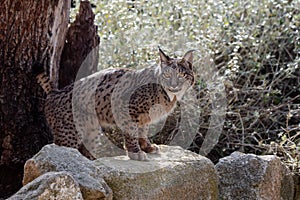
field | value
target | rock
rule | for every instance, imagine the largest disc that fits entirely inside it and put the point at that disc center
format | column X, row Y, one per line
column 53, row 158
column 297, row 186
column 174, row 174
column 247, row 176
column 52, row 185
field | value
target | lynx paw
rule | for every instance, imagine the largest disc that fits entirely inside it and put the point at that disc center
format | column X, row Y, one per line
column 154, row 149
column 142, row 156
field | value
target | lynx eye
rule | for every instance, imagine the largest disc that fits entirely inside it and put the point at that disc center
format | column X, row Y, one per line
column 180, row 75
column 166, row 75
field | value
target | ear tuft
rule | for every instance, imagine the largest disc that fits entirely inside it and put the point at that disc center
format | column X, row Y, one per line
column 188, row 56
column 163, row 57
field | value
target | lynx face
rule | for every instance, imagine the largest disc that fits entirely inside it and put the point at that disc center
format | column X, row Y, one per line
column 176, row 74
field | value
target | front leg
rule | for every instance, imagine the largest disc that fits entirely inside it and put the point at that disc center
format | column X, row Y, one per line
column 147, row 147
column 133, row 148
column 145, row 143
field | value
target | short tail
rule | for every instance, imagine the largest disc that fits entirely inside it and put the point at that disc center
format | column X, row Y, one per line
column 44, row 80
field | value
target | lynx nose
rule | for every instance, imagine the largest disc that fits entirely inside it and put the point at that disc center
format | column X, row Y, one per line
column 173, row 87
column 173, row 83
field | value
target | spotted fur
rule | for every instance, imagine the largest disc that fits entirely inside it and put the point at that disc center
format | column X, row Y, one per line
column 129, row 99
column 44, row 81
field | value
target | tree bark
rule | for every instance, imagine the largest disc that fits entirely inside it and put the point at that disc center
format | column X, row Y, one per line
column 82, row 40
column 32, row 34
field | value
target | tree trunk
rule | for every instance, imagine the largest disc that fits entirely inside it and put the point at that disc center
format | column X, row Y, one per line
column 32, row 34
column 81, row 40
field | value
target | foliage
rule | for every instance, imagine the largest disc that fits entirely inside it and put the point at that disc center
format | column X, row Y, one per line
column 259, row 55
column 253, row 46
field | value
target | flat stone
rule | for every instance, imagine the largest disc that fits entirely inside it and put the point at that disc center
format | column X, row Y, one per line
column 174, row 174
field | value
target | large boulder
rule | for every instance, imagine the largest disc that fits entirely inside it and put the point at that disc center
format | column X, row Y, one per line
column 247, row 176
column 52, row 185
column 174, row 174
column 53, row 158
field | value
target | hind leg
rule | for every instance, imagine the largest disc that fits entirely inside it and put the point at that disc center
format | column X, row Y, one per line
column 83, row 150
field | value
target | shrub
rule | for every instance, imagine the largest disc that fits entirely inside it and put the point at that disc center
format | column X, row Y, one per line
column 253, row 47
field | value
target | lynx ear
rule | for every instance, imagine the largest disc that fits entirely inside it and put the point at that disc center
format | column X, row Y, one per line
column 163, row 57
column 188, row 56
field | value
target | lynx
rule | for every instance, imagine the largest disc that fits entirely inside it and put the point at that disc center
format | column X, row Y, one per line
column 127, row 98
